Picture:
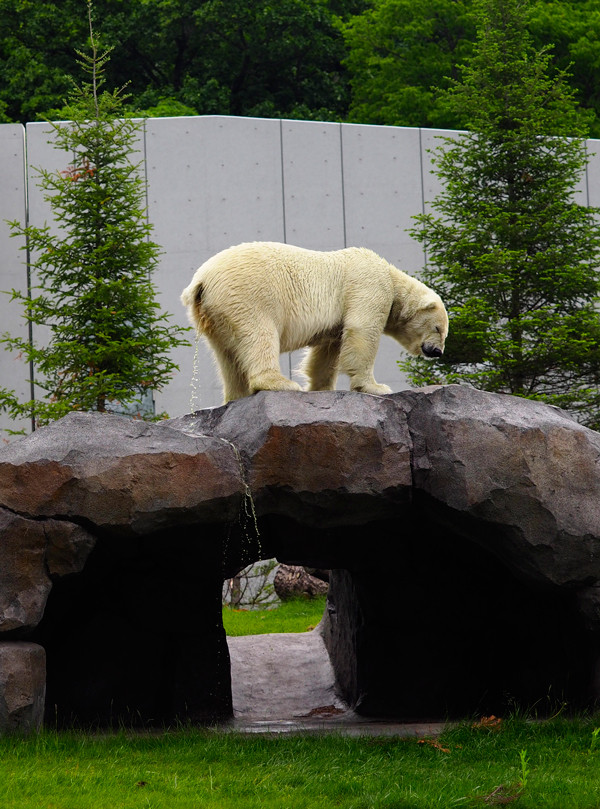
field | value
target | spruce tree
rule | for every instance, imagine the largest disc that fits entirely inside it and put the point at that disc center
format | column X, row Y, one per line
column 108, row 341
column 509, row 249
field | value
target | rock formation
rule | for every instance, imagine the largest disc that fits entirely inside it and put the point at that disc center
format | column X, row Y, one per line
column 462, row 529
column 294, row 581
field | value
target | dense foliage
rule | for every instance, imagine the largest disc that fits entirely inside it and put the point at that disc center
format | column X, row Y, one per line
column 369, row 61
column 226, row 57
column 92, row 297
column 510, row 250
column 398, row 52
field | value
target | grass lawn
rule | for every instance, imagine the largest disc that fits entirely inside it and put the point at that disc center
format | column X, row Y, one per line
column 558, row 761
column 299, row 615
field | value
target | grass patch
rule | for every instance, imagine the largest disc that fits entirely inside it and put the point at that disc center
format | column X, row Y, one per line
column 298, row 615
column 193, row 769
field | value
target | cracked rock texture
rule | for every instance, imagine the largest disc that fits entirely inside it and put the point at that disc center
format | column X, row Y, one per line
column 462, row 528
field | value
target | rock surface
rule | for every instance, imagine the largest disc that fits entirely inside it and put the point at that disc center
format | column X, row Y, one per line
column 282, row 676
column 462, row 528
column 22, row 686
column 527, row 471
column 32, row 553
column 293, row 581
column 120, row 475
column 323, row 458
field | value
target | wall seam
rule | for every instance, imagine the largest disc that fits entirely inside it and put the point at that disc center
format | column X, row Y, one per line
column 282, row 181
column 26, row 175
column 343, row 185
column 422, row 170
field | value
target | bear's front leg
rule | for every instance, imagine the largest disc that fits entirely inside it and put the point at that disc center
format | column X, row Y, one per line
column 321, row 365
column 270, row 379
column 357, row 358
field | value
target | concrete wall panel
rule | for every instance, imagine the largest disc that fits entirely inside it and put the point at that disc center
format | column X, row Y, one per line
column 382, row 187
column 313, row 185
column 178, row 201
column 593, row 173
column 220, row 184
column 383, row 191
column 14, row 374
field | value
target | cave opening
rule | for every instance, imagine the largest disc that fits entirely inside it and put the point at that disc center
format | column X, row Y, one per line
column 441, row 628
column 136, row 639
column 421, row 623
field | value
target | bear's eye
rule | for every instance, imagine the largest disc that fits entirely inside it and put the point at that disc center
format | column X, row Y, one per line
column 437, row 328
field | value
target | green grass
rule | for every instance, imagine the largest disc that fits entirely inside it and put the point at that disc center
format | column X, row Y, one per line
column 298, row 615
column 192, row 769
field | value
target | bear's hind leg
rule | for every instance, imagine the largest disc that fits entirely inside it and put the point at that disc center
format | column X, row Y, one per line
column 357, row 358
column 321, row 365
column 258, row 356
column 235, row 384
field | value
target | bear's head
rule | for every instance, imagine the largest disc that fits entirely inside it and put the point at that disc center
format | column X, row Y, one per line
column 422, row 328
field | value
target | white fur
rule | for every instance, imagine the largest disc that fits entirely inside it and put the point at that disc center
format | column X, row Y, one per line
column 256, row 300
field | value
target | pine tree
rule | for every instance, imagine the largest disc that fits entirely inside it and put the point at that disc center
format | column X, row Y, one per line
column 509, row 249
column 109, row 342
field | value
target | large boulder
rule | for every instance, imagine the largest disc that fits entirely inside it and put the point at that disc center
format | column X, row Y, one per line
column 527, row 471
column 490, row 595
column 120, row 475
column 324, row 458
column 462, row 529
column 294, row 581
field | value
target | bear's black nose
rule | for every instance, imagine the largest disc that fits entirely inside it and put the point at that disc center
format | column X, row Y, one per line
column 431, row 351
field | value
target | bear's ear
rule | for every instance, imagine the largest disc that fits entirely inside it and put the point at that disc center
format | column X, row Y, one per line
column 430, row 307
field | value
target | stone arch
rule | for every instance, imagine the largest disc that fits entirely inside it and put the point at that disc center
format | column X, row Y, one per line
column 463, row 529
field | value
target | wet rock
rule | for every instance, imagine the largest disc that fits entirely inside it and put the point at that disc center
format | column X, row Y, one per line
column 327, row 458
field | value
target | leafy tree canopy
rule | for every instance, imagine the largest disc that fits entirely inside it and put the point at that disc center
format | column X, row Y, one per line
column 399, row 53
column 370, row 61
column 278, row 58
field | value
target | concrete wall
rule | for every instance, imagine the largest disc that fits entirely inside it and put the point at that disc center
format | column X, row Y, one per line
column 14, row 374
column 216, row 181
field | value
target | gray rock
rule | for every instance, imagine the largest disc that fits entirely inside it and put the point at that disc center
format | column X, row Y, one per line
column 24, row 580
column 293, row 581
column 32, row 554
column 522, row 478
column 120, row 475
column 69, row 546
column 327, row 458
column 22, row 686
column 462, row 527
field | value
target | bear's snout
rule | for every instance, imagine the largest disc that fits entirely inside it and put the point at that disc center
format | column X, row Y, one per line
column 431, row 351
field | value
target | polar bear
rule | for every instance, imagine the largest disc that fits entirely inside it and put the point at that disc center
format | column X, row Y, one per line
column 256, row 300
